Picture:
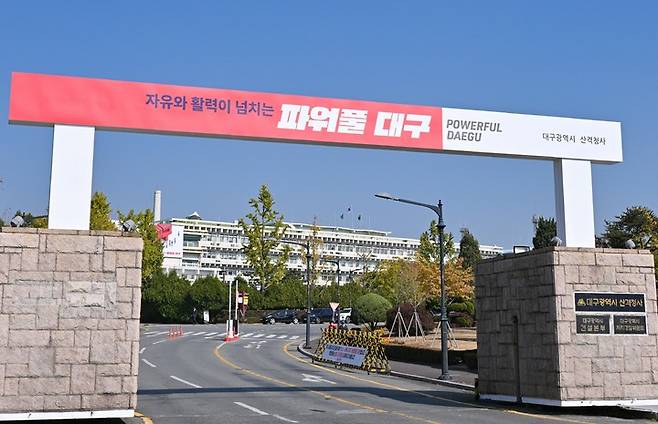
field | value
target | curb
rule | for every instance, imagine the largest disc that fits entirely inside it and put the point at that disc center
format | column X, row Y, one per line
column 452, row 384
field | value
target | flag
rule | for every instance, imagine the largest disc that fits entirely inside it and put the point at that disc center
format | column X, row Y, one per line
column 349, row 209
column 358, row 218
column 342, row 216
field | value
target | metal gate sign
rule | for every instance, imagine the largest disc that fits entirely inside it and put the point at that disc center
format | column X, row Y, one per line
column 110, row 104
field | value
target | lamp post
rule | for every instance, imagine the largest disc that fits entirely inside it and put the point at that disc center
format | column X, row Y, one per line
column 438, row 209
column 352, row 271
column 337, row 263
column 309, row 258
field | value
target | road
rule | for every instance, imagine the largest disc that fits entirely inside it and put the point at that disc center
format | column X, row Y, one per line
column 262, row 378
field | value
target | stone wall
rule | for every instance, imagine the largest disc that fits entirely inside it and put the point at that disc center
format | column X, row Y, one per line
column 69, row 320
column 555, row 364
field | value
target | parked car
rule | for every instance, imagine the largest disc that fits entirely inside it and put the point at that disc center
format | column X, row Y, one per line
column 320, row 315
column 345, row 315
column 283, row 315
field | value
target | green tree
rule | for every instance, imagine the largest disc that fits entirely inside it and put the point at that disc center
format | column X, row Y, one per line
column 371, row 308
column 152, row 254
column 469, row 249
column 289, row 293
column 546, row 229
column 428, row 250
column 165, row 298
column 637, row 223
column 264, row 231
column 99, row 216
column 209, row 293
column 2, row 222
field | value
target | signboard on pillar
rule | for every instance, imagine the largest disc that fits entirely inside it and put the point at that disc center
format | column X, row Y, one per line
column 173, row 109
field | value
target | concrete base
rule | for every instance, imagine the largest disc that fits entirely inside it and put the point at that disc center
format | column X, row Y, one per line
column 530, row 347
column 68, row 415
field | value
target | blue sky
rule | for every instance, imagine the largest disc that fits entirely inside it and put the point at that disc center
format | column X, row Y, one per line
column 596, row 60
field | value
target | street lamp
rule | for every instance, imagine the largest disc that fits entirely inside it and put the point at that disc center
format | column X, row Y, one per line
column 438, row 209
column 309, row 258
column 352, row 271
column 337, row 263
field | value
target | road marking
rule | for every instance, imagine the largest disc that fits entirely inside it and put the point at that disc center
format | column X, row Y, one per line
column 148, row 363
column 294, row 337
column 324, row 395
column 246, row 335
column 160, row 341
column 185, row 382
column 142, row 350
column 258, row 335
column 282, row 337
column 210, row 334
column 150, row 332
column 545, row 417
column 259, row 412
column 157, row 334
column 251, row 408
column 199, row 333
column 315, row 379
column 270, row 336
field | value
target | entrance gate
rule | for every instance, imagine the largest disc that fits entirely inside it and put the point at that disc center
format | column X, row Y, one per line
column 77, row 107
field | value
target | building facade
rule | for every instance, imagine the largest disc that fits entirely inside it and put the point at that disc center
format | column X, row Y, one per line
column 213, row 248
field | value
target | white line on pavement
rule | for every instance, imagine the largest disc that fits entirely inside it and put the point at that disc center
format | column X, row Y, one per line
column 271, row 336
column 258, row 335
column 142, row 350
column 284, row 419
column 160, row 341
column 148, row 363
column 199, row 333
column 294, row 337
column 150, row 332
column 251, row 408
column 246, row 335
column 282, row 337
column 185, row 382
column 210, row 334
column 157, row 334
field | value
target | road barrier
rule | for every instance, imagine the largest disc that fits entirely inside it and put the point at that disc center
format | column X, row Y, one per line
column 375, row 359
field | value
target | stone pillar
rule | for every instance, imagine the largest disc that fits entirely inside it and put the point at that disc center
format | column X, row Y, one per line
column 69, row 323
column 535, row 343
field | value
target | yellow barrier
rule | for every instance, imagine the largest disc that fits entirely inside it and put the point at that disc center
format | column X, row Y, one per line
column 375, row 360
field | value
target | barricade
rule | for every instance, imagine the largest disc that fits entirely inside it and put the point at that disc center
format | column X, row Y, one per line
column 375, row 360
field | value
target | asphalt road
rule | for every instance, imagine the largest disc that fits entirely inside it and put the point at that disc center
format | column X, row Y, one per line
column 262, row 378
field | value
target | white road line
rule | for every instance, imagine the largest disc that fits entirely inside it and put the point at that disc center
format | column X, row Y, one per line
column 150, row 332
column 294, row 337
column 284, row 419
column 251, row 408
column 282, row 337
column 246, row 335
column 258, row 335
column 148, row 363
column 271, row 336
column 199, row 333
column 259, row 412
column 157, row 334
column 185, row 382
column 142, row 350
column 210, row 334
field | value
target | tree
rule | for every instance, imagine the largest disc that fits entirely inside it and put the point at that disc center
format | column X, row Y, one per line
column 545, row 231
column 152, row 254
column 428, row 250
column 458, row 280
column 398, row 281
column 264, row 231
column 2, row 222
column 371, row 308
column 637, row 223
column 315, row 243
column 99, row 217
column 469, row 249
column 166, row 298
column 209, row 293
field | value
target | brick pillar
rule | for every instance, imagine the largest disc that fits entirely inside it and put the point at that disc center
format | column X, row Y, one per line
column 69, row 321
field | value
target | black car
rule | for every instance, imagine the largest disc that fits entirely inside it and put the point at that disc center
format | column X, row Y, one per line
column 283, row 315
column 320, row 315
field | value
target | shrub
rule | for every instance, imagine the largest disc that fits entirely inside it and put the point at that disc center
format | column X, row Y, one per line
column 167, row 298
column 463, row 321
column 370, row 309
column 407, row 311
column 209, row 293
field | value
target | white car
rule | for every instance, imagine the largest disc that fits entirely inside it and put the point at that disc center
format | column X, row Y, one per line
column 345, row 315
